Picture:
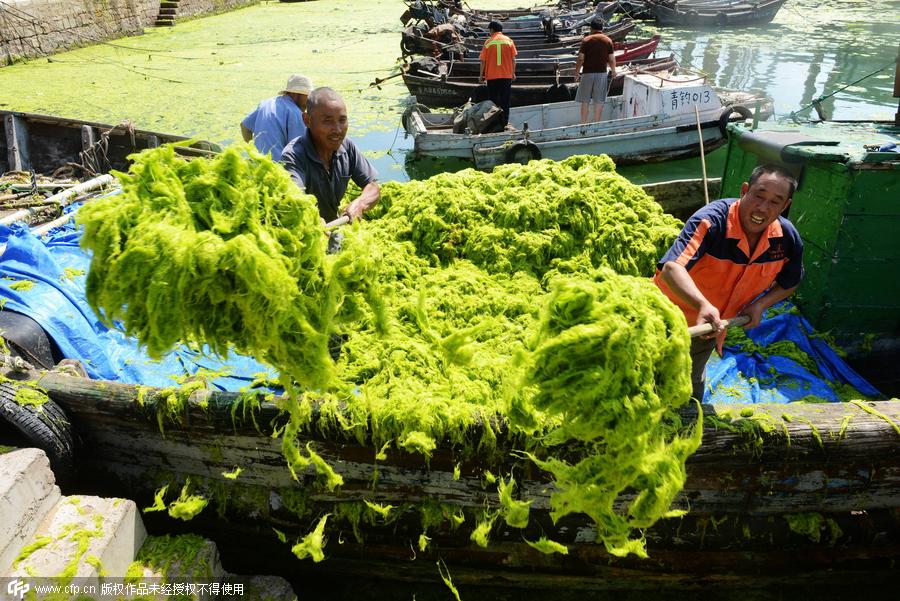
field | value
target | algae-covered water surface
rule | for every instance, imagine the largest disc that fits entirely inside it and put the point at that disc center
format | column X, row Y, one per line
column 201, row 77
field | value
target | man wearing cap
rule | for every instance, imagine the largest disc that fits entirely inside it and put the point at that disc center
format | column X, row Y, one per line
column 278, row 120
column 595, row 53
column 323, row 160
column 498, row 67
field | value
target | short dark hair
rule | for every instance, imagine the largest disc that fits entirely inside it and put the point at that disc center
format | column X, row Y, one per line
column 495, row 26
column 774, row 169
column 320, row 96
column 596, row 24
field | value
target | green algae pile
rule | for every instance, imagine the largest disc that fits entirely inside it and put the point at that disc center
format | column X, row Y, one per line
column 611, row 359
column 221, row 252
column 469, row 304
column 531, row 217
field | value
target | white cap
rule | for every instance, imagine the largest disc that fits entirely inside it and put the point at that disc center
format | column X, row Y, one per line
column 298, row 84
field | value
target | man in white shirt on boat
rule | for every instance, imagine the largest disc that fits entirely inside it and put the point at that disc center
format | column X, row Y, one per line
column 595, row 54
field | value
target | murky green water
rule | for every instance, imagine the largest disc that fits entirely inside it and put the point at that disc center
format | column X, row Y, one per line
column 201, row 77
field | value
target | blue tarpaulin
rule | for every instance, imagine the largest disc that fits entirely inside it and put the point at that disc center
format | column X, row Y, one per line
column 759, row 377
column 57, row 302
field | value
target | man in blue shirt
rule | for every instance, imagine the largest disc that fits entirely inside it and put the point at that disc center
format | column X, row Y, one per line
column 323, row 160
column 278, row 120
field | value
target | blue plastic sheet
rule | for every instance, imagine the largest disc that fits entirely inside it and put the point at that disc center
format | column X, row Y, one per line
column 740, row 377
column 57, row 302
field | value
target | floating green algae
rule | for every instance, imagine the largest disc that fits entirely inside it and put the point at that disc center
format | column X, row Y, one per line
column 223, row 251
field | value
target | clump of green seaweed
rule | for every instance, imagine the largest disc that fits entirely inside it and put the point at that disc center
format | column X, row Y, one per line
column 611, row 363
column 224, row 252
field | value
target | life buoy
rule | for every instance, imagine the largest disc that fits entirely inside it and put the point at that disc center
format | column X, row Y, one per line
column 407, row 115
column 725, row 117
column 45, row 427
column 522, row 152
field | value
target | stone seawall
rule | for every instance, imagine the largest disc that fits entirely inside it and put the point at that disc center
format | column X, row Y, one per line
column 33, row 28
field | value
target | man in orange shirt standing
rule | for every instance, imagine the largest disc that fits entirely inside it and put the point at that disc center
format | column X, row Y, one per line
column 498, row 67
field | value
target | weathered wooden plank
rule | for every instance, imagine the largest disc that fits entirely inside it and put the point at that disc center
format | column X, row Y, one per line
column 837, row 460
column 17, row 147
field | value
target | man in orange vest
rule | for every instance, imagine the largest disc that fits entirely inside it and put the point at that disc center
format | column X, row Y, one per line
column 736, row 256
column 498, row 67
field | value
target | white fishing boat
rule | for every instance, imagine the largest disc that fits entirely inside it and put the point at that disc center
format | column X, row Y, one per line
column 654, row 119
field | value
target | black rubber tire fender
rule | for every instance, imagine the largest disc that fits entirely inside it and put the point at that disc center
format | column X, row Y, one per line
column 726, row 116
column 513, row 153
column 404, row 120
column 46, row 427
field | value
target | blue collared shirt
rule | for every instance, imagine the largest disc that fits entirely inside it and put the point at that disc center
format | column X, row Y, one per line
column 273, row 123
column 301, row 159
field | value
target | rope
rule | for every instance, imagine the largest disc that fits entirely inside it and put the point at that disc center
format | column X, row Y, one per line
column 94, row 159
column 818, row 101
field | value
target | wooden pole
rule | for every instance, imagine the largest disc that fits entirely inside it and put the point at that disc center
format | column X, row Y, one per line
column 707, row 328
column 702, row 156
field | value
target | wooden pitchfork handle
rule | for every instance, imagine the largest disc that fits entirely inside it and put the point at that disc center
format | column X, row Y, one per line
column 707, row 328
column 342, row 220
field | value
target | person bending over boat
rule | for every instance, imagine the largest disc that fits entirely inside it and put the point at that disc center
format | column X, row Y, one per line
column 498, row 68
column 323, row 160
column 279, row 119
column 594, row 54
column 729, row 253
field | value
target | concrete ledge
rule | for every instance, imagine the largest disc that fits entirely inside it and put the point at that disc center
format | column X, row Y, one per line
column 28, row 492
column 83, row 536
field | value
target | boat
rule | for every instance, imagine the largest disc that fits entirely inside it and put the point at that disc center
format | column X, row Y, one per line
column 433, row 91
column 414, row 41
column 510, row 13
column 652, row 120
column 568, row 18
column 810, row 502
column 49, row 144
column 715, row 13
column 527, row 65
column 553, row 20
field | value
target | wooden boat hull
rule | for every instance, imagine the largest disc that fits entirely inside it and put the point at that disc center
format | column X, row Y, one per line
column 535, row 63
column 433, row 92
column 412, row 42
column 716, row 15
column 46, row 144
column 645, row 139
column 737, row 494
